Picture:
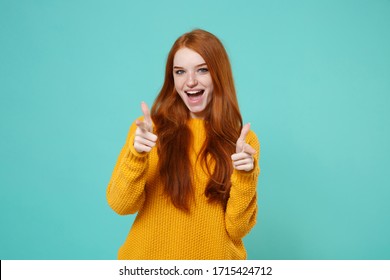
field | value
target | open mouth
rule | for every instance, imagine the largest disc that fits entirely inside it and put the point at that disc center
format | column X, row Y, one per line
column 193, row 93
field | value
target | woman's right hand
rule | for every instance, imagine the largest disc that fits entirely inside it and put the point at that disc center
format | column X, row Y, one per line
column 144, row 139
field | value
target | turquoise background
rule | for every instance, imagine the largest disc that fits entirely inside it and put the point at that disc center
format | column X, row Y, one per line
column 313, row 78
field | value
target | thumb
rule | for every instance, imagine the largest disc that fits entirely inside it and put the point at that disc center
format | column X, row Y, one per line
column 241, row 140
column 249, row 149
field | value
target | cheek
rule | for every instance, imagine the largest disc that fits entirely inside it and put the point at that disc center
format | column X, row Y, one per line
column 209, row 83
column 178, row 83
column 210, row 86
column 179, row 87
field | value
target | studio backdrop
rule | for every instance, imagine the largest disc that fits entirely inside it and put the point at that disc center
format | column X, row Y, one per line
column 312, row 77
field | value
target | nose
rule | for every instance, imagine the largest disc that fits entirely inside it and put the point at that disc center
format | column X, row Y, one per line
column 191, row 80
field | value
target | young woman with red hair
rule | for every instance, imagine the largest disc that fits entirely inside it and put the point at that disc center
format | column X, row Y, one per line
column 189, row 167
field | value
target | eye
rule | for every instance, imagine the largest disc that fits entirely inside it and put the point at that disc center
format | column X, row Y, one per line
column 203, row 70
column 179, row 72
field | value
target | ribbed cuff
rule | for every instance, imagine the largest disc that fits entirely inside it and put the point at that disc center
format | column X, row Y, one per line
column 245, row 180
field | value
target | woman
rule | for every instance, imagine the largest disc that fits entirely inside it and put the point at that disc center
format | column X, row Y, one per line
column 189, row 168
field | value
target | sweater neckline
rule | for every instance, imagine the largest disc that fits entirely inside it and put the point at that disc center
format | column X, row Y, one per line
column 195, row 120
column 196, row 124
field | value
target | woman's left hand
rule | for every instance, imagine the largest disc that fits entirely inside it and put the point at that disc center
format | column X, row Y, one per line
column 243, row 158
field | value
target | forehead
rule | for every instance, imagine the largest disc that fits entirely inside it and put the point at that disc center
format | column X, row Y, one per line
column 187, row 57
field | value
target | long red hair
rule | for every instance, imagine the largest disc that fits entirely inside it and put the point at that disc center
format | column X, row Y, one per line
column 223, row 123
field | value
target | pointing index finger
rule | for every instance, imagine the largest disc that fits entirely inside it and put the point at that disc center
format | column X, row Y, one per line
column 244, row 132
column 146, row 112
column 241, row 140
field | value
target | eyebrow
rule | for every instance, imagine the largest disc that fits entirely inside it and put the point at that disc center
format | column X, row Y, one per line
column 199, row 65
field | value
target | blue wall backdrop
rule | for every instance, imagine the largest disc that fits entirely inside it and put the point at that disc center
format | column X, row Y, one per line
column 313, row 78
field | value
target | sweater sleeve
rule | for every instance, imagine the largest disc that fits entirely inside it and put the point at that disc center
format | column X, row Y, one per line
column 241, row 209
column 126, row 189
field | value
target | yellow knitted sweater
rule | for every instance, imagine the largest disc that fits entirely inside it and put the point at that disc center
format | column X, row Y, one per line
column 161, row 231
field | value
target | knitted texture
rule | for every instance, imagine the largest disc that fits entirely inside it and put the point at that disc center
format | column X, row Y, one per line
column 161, row 231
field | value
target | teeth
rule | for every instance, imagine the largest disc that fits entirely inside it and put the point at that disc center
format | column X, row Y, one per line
column 193, row 92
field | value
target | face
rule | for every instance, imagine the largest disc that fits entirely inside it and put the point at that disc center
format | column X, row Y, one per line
column 192, row 81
